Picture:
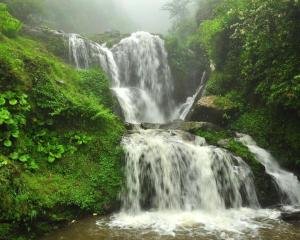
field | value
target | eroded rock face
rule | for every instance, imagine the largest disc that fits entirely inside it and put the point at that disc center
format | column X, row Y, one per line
column 207, row 110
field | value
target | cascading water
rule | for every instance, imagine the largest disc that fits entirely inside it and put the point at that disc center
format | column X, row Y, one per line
column 287, row 182
column 145, row 73
column 138, row 67
column 174, row 180
column 178, row 171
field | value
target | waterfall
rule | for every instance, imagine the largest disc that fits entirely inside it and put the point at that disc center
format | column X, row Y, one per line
column 174, row 180
column 146, row 77
column 287, row 182
column 140, row 74
column 185, row 108
column 175, row 170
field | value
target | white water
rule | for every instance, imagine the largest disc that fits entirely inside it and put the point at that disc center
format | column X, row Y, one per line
column 185, row 108
column 175, row 170
column 287, row 182
column 174, row 180
column 141, row 76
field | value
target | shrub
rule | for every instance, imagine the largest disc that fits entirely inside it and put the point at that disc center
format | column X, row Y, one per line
column 9, row 26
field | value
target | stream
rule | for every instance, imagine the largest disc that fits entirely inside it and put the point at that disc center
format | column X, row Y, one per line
column 177, row 185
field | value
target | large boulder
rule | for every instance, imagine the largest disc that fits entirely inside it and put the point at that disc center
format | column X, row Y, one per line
column 213, row 109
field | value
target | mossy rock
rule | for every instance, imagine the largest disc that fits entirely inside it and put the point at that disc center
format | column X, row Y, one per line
column 214, row 109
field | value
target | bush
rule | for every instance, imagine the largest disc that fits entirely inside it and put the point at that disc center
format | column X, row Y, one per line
column 9, row 26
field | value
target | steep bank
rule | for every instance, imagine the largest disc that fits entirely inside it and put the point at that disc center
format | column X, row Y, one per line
column 59, row 141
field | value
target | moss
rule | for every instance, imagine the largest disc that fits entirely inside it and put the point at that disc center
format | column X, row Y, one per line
column 212, row 137
column 231, row 144
column 70, row 118
column 9, row 26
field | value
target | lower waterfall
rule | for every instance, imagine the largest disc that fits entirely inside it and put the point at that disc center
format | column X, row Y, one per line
column 175, row 182
column 287, row 182
column 176, row 170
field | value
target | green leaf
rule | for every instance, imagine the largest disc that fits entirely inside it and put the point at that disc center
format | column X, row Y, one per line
column 13, row 102
column 24, row 158
column 2, row 101
column 51, row 159
column 58, row 155
column 33, row 165
column 4, row 114
column 7, row 143
column 16, row 134
column 14, row 155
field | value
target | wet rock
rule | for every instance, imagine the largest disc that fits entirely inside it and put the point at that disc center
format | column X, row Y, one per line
column 191, row 127
column 223, row 143
column 266, row 188
column 207, row 110
column 290, row 216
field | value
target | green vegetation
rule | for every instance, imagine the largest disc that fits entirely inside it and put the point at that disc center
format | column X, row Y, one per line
column 9, row 26
column 254, row 47
column 188, row 61
column 59, row 140
column 226, row 139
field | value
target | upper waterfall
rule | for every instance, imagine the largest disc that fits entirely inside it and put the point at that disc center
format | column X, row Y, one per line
column 140, row 74
column 145, row 78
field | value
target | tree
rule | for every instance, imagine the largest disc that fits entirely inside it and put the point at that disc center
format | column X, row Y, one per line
column 178, row 9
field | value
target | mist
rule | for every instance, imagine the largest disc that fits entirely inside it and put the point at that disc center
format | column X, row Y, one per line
column 147, row 15
column 96, row 16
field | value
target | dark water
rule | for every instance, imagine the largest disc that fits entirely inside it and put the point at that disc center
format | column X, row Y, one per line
column 88, row 229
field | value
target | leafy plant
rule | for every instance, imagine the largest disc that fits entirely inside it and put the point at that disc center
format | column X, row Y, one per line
column 9, row 26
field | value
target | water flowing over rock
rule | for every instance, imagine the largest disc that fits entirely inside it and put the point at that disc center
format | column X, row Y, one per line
column 140, row 74
column 176, row 170
column 287, row 182
column 174, row 179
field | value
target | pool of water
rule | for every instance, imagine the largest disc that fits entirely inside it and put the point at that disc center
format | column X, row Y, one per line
column 97, row 228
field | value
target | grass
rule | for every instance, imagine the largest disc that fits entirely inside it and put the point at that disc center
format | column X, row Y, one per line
column 65, row 104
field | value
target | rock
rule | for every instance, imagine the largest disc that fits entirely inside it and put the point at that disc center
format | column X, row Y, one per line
column 223, row 143
column 266, row 188
column 191, row 127
column 207, row 110
column 55, row 41
column 290, row 216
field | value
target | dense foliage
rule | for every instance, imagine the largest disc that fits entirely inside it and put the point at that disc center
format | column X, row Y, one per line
column 59, row 140
column 255, row 49
column 9, row 26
